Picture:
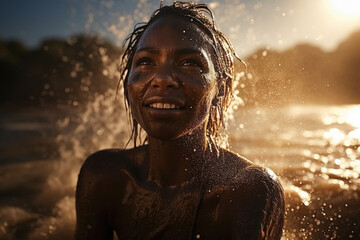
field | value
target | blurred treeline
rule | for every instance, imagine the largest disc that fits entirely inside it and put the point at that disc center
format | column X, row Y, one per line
column 305, row 74
column 57, row 73
column 71, row 72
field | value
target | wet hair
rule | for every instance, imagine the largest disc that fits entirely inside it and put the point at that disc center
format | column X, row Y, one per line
column 202, row 16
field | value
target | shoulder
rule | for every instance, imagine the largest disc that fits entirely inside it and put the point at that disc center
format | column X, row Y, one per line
column 109, row 168
column 250, row 201
column 102, row 159
column 235, row 177
column 106, row 161
column 245, row 173
column 240, row 180
column 259, row 183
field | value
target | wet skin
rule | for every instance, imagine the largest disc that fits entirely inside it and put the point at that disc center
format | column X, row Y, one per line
column 175, row 187
column 172, row 65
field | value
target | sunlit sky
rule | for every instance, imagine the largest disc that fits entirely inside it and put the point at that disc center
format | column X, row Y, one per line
column 250, row 24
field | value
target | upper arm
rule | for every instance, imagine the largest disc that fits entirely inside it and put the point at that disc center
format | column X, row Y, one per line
column 273, row 220
column 255, row 208
column 91, row 202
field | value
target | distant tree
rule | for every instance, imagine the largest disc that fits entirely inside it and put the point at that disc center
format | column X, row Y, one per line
column 11, row 54
column 346, row 66
column 305, row 74
column 59, row 71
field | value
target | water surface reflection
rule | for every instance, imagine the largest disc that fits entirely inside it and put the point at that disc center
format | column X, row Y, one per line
column 314, row 149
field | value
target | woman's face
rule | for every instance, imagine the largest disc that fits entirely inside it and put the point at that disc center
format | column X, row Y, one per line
column 172, row 80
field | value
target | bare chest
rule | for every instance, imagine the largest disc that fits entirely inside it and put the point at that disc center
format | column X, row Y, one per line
column 150, row 213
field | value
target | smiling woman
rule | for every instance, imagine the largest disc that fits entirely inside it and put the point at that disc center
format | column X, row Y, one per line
column 180, row 184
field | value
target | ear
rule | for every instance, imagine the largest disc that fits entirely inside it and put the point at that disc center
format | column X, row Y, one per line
column 221, row 92
column 215, row 101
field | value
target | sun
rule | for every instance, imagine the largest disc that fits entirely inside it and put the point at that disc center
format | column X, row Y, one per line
column 346, row 7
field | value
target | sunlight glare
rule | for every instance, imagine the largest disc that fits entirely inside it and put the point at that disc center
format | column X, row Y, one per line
column 346, row 7
column 334, row 136
column 352, row 116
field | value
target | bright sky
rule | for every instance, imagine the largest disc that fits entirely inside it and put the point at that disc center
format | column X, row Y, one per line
column 276, row 24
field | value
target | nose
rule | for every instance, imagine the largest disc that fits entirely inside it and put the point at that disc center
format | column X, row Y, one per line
column 164, row 79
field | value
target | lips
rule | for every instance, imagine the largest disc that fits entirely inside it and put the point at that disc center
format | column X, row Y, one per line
column 159, row 102
column 164, row 106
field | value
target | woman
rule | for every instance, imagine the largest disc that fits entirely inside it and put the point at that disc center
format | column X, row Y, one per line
column 177, row 80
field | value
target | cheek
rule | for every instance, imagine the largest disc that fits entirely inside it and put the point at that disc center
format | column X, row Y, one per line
column 134, row 77
column 134, row 97
column 203, row 96
column 209, row 87
column 136, row 86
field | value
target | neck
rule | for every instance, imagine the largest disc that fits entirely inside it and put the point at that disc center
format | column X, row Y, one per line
column 178, row 161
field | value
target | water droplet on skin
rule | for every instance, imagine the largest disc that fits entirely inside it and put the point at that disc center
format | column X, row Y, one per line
column 183, row 31
column 194, row 150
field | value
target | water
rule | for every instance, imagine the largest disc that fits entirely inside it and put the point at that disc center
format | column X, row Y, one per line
column 315, row 150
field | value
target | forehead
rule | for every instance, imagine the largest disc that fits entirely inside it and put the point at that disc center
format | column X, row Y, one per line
column 174, row 32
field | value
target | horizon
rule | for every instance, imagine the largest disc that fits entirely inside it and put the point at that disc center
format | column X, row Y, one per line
column 274, row 25
column 247, row 55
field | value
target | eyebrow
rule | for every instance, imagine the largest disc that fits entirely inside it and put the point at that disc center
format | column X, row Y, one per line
column 148, row 49
column 179, row 51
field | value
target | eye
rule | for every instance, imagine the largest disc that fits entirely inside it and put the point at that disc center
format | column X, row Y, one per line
column 145, row 61
column 191, row 63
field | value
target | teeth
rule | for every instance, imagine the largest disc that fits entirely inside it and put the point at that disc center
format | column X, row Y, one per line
column 164, row 106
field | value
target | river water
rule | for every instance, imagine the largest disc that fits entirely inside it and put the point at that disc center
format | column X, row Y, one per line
column 315, row 151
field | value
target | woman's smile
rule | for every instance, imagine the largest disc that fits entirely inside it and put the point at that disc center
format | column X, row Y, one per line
column 164, row 106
